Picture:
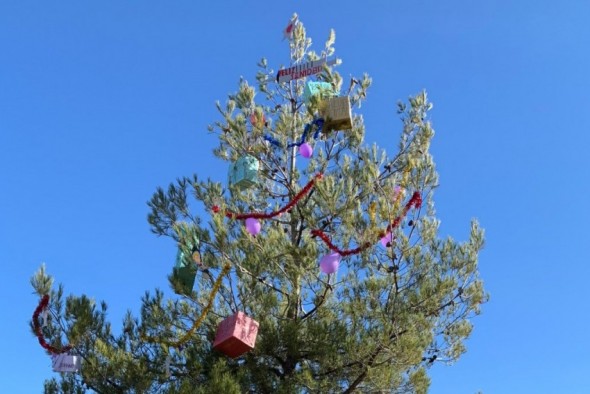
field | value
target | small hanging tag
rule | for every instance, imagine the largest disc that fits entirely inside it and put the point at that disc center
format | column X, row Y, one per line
column 65, row 363
column 44, row 316
column 167, row 366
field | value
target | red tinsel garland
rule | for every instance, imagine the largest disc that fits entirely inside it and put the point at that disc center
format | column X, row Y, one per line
column 286, row 208
column 51, row 349
column 415, row 201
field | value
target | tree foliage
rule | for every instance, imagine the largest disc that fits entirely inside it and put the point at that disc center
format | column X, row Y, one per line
column 376, row 326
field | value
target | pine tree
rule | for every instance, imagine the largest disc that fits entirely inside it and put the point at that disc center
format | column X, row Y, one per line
column 401, row 299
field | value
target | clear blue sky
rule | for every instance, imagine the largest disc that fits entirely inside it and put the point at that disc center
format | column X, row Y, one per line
column 102, row 102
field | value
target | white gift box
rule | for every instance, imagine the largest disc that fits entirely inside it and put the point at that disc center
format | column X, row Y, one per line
column 65, row 363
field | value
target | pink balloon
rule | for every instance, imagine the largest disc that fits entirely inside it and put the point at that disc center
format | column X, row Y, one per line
column 329, row 263
column 253, row 226
column 306, row 150
column 387, row 240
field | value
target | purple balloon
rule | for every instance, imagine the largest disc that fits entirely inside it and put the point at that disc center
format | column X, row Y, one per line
column 253, row 226
column 306, row 150
column 387, row 240
column 329, row 263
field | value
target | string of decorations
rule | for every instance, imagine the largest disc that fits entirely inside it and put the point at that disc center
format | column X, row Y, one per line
column 318, row 123
column 256, row 215
column 415, row 201
column 37, row 328
column 197, row 323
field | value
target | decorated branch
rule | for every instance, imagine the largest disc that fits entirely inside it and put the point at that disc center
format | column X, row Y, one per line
column 41, row 309
column 415, row 201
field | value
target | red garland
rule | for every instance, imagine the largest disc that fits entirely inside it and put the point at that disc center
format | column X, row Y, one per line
column 42, row 305
column 286, row 208
column 415, row 201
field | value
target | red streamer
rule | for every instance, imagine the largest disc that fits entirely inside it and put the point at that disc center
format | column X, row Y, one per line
column 415, row 201
column 51, row 349
column 286, row 208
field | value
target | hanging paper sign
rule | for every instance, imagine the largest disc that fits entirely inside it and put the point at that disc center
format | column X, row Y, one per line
column 303, row 70
column 65, row 363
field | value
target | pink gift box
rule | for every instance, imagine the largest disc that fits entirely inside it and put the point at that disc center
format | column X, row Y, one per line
column 236, row 335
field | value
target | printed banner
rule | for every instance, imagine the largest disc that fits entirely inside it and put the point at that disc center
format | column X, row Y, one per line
column 303, row 70
column 65, row 363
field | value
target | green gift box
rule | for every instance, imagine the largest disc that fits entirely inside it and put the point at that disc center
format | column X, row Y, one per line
column 244, row 172
column 185, row 268
column 184, row 273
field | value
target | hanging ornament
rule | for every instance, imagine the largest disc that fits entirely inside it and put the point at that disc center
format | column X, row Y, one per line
column 288, row 30
column 322, row 90
column 244, row 172
column 338, row 114
column 44, row 316
column 387, row 240
column 184, row 273
column 65, row 363
column 187, row 259
column 253, row 226
column 306, row 150
column 167, row 365
column 329, row 263
column 236, row 335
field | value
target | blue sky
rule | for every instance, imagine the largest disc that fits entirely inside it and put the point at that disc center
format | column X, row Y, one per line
column 101, row 103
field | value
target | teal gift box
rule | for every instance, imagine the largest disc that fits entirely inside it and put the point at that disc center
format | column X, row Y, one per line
column 184, row 273
column 244, row 172
column 321, row 89
column 187, row 258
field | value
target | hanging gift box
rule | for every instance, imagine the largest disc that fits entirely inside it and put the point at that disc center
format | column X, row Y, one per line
column 65, row 363
column 185, row 268
column 236, row 335
column 184, row 273
column 244, row 172
column 337, row 114
column 322, row 90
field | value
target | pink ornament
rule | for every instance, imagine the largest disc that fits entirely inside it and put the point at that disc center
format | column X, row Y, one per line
column 306, row 150
column 387, row 240
column 329, row 263
column 253, row 226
